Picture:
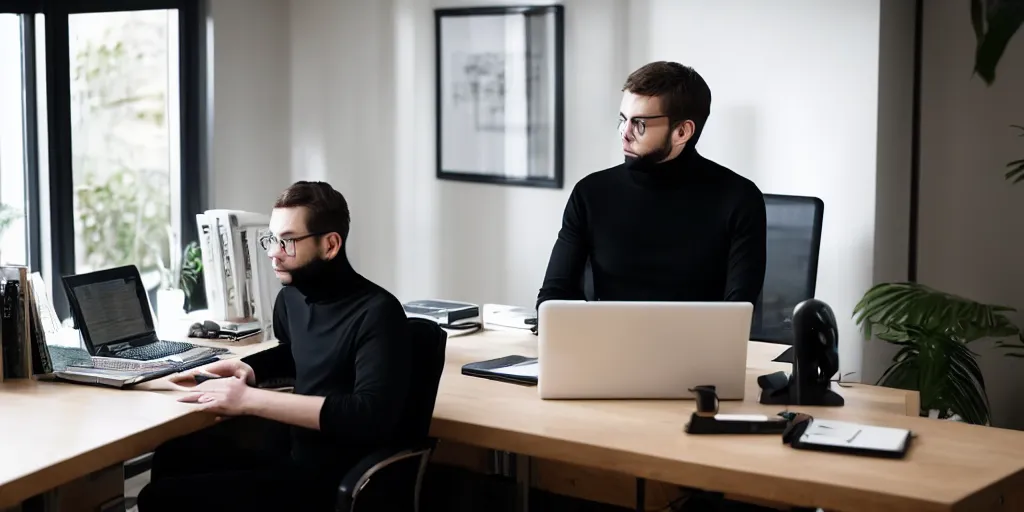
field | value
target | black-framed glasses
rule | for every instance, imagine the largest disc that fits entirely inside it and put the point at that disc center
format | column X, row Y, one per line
column 637, row 124
column 287, row 245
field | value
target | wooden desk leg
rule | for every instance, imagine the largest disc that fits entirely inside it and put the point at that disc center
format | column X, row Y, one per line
column 522, row 466
column 641, row 495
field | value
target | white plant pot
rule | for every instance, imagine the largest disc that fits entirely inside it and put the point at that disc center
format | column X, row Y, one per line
column 170, row 306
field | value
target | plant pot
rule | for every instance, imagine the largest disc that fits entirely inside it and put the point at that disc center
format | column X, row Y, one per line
column 170, row 306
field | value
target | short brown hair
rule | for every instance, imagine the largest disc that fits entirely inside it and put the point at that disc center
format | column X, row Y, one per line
column 328, row 210
column 683, row 92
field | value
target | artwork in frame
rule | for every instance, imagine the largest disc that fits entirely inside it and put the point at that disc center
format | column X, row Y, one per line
column 499, row 95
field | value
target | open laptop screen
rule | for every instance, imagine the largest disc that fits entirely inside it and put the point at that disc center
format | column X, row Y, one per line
column 109, row 305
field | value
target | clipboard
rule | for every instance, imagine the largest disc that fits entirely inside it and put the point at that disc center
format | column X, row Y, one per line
column 850, row 438
column 513, row 369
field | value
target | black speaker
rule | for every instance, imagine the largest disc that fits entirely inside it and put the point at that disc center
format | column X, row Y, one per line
column 815, row 360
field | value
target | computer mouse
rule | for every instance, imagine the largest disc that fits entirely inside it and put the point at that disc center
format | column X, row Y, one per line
column 207, row 329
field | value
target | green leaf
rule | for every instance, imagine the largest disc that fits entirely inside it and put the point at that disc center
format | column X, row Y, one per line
column 978, row 20
column 894, row 306
column 932, row 330
column 1002, row 19
column 1016, row 173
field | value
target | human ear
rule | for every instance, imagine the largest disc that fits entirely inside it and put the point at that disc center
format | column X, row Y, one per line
column 684, row 132
column 332, row 245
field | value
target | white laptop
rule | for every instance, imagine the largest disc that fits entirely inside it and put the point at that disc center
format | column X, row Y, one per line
column 642, row 350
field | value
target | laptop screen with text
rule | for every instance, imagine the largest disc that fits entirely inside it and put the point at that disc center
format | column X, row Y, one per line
column 111, row 310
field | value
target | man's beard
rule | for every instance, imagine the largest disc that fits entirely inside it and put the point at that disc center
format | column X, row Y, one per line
column 308, row 274
column 646, row 161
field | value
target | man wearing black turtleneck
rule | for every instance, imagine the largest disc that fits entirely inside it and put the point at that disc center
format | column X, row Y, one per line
column 668, row 224
column 343, row 340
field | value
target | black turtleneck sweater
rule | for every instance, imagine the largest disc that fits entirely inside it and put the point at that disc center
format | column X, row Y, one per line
column 683, row 230
column 343, row 338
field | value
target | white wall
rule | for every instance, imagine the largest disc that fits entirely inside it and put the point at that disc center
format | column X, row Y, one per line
column 809, row 98
column 363, row 120
column 894, row 152
column 343, row 119
column 796, row 106
column 250, row 139
column 971, row 219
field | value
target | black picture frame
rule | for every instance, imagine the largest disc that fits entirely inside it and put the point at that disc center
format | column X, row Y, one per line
column 473, row 133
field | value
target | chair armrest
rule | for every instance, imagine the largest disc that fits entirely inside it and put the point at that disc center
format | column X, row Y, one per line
column 357, row 477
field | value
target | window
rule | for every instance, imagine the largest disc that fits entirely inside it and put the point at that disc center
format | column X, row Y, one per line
column 124, row 137
column 13, row 225
column 110, row 136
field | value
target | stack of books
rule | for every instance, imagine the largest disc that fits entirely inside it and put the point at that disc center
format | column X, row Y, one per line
column 33, row 344
column 21, row 325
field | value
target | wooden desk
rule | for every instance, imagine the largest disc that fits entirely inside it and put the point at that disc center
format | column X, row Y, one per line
column 53, row 433
column 951, row 466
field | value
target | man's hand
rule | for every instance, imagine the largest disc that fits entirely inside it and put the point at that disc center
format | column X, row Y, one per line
column 225, row 368
column 228, row 396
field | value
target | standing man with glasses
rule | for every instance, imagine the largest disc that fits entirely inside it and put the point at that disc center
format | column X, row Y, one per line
column 345, row 342
column 667, row 224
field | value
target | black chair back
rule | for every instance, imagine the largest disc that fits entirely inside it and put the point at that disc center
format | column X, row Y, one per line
column 791, row 272
column 428, row 346
column 391, row 478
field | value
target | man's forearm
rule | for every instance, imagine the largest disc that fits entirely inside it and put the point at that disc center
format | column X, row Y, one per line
column 297, row 410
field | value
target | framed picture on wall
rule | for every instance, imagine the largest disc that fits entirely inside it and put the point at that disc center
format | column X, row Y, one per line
column 499, row 95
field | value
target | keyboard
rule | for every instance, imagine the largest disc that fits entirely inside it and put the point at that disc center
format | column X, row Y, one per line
column 156, row 350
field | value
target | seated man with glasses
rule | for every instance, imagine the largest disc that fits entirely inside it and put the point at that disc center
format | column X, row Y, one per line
column 667, row 224
column 345, row 342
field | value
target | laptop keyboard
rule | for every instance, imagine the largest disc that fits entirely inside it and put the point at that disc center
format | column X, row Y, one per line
column 155, row 350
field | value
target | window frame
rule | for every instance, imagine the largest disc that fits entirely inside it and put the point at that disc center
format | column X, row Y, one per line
column 59, row 260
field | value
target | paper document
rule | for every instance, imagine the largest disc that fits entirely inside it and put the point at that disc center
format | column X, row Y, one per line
column 839, row 433
column 501, row 317
column 518, row 370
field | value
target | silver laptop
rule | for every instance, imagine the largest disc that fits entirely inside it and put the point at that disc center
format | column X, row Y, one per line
column 642, row 350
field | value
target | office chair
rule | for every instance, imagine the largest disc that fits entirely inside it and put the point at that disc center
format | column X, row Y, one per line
column 791, row 271
column 391, row 479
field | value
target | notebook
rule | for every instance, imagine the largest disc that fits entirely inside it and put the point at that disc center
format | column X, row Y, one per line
column 853, row 438
column 514, row 369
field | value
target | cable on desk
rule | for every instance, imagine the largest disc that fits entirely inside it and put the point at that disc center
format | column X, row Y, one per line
column 462, row 328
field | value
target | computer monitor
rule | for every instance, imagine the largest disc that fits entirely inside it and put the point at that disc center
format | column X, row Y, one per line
column 110, row 307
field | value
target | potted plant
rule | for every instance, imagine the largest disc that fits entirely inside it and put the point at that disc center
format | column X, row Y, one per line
column 178, row 280
column 191, row 281
column 934, row 331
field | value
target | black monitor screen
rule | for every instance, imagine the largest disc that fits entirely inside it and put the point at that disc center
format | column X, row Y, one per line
column 112, row 310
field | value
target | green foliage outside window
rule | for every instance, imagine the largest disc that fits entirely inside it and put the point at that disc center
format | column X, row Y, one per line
column 123, row 219
column 121, row 142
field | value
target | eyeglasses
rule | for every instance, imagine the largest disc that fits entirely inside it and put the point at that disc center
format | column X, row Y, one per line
column 637, row 124
column 285, row 244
